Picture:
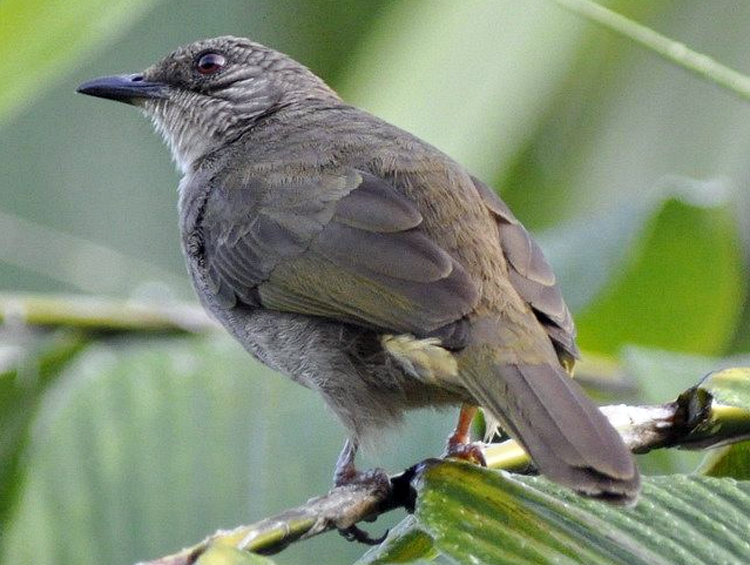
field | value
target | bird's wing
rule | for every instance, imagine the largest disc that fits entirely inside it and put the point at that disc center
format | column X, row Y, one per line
column 531, row 275
column 345, row 246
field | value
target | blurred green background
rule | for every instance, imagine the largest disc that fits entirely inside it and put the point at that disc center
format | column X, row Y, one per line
column 634, row 174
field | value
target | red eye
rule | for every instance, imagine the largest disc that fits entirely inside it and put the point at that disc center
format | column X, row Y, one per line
column 210, row 63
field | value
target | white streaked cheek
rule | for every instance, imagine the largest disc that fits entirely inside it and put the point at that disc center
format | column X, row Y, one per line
column 185, row 131
column 193, row 125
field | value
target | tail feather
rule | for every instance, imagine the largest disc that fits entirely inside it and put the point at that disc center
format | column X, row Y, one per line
column 566, row 435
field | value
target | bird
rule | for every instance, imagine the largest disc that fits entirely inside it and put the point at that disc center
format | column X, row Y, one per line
column 367, row 265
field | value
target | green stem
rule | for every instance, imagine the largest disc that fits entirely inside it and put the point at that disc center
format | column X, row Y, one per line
column 671, row 50
column 100, row 314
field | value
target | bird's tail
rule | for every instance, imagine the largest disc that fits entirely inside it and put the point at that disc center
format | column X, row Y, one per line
column 547, row 412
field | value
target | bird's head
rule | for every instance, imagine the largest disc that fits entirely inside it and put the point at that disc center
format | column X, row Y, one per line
column 209, row 92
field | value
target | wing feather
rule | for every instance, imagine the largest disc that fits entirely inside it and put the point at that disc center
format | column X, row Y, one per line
column 348, row 246
column 531, row 275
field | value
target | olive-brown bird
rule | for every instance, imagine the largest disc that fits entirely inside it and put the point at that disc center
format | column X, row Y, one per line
column 366, row 264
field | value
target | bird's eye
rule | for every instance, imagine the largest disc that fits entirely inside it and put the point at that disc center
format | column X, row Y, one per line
column 210, row 63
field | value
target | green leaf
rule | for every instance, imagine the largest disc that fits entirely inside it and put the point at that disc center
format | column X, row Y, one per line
column 31, row 361
column 729, row 461
column 406, row 543
column 662, row 376
column 480, row 516
column 729, row 395
column 681, row 287
column 165, row 439
column 146, row 446
column 730, row 388
column 721, row 401
column 46, row 37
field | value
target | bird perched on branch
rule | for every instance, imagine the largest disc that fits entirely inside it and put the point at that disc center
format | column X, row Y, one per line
column 365, row 264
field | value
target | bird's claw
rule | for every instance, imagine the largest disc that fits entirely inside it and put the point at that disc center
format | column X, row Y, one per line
column 470, row 452
column 355, row 533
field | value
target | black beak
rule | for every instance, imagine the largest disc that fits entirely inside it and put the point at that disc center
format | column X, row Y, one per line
column 123, row 88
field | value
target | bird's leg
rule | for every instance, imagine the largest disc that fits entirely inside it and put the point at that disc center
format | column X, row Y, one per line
column 345, row 471
column 346, row 474
column 459, row 443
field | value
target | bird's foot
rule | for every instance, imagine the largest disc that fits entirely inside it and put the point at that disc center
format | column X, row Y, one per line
column 470, row 452
column 355, row 533
column 377, row 478
column 346, row 474
column 459, row 443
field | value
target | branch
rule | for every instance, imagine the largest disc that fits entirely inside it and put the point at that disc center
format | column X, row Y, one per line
column 714, row 412
column 101, row 314
column 341, row 509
